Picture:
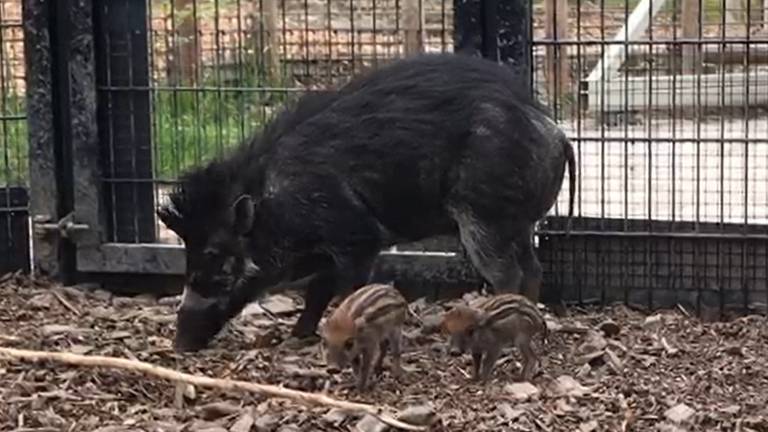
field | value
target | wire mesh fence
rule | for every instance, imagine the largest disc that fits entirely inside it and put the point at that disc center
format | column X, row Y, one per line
column 668, row 121
column 658, row 138
column 665, row 102
column 219, row 69
column 14, row 176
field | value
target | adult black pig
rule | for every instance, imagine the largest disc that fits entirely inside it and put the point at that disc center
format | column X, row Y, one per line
column 430, row 145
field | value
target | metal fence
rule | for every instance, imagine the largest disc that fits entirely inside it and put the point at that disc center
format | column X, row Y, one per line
column 664, row 102
column 14, row 178
column 206, row 74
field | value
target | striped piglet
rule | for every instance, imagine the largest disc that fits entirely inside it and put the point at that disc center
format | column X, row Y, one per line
column 360, row 328
column 491, row 323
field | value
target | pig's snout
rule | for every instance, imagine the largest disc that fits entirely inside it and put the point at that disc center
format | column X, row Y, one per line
column 333, row 370
column 454, row 351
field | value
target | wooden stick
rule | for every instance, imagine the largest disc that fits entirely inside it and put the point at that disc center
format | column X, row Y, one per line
column 301, row 397
column 65, row 303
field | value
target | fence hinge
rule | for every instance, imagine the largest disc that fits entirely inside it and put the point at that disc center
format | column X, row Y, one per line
column 66, row 227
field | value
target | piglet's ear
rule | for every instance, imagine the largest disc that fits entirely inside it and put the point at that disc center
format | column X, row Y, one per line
column 243, row 212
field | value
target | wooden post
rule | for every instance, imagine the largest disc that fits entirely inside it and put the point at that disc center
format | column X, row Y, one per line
column 413, row 26
column 690, row 21
column 558, row 67
column 734, row 18
column 183, row 69
column 267, row 40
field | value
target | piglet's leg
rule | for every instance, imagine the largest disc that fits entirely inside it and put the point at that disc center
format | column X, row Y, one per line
column 396, row 340
column 523, row 343
column 379, row 368
column 477, row 358
column 369, row 355
column 489, row 361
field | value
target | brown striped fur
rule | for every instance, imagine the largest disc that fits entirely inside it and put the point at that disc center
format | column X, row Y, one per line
column 362, row 326
column 490, row 323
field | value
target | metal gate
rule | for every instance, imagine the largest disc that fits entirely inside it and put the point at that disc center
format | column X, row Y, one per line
column 142, row 90
column 14, row 177
column 665, row 117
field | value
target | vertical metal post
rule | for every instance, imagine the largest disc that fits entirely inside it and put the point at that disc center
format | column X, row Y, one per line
column 124, row 118
column 515, row 34
column 47, row 156
column 495, row 29
column 468, row 31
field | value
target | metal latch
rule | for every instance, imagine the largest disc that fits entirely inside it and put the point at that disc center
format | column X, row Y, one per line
column 65, row 227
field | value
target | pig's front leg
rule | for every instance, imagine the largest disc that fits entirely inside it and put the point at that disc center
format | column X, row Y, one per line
column 370, row 352
column 477, row 358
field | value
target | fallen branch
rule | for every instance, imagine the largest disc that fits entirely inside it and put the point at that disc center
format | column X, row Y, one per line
column 65, row 303
column 301, row 397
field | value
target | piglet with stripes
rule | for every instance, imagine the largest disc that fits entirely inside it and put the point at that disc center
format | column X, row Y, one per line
column 485, row 327
column 361, row 328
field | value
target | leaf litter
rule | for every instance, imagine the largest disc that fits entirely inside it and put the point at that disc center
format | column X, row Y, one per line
column 666, row 372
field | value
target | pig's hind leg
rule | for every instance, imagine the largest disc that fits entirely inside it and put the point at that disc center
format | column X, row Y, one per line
column 530, row 360
column 491, row 249
column 532, row 272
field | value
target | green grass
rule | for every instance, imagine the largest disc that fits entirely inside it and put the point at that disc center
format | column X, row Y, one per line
column 193, row 126
column 189, row 126
column 14, row 153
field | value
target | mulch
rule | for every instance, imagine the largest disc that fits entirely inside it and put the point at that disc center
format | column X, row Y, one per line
column 612, row 369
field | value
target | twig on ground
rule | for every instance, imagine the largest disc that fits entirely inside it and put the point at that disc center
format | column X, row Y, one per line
column 65, row 303
column 415, row 316
column 683, row 310
column 9, row 339
column 570, row 328
column 271, row 315
column 305, row 398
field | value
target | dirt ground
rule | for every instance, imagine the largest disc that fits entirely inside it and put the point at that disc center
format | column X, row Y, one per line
column 664, row 372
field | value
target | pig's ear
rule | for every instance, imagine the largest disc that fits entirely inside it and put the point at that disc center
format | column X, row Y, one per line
column 243, row 214
column 171, row 218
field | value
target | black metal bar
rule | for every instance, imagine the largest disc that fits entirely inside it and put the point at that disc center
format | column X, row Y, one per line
column 497, row 30
column 64, row 31
column 514, row 36
column 122, row 60
column 43, row 161
column 14, row 230
column 467, row 27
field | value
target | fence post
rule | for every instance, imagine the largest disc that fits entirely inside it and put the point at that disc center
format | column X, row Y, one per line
column 690, row 20
column 124, row 118
column 495, row 29
column 183, row 68
column 44, row 165
column 558, row 66
column 413, row 26
column 265, row 38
